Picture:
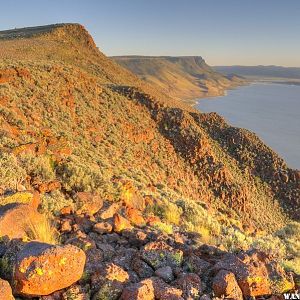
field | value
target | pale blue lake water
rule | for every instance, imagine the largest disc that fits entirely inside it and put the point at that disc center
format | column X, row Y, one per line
column 272, row 111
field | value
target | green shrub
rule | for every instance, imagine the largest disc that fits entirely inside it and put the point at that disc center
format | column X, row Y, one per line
column 77, row 176
column 11, row 173
column 38, row 167
column 54, row 201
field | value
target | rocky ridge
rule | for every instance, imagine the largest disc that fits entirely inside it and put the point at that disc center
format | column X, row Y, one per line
column 149, row 197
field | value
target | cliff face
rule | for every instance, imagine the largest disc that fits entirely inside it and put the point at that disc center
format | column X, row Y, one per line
column 186, row 77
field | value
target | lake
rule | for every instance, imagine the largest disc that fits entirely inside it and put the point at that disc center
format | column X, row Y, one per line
column 272, row 111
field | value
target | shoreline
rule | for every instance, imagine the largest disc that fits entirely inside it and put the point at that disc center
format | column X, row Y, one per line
column 225, row 93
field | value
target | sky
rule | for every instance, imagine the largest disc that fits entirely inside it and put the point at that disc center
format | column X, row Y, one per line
column 223, row 32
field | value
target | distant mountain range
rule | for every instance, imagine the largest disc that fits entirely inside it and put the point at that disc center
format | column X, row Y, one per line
column 261, row 71
column 183, row 77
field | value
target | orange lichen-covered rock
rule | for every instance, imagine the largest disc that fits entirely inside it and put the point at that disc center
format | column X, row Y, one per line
column 41, row 269
column 8, row 75
column 256, row 274
column 143, row 290
column 131, row 196
column 5, row 291
column 153, row 220
column 121, row 223
column 163, row 291
column 135, row 216
column 88, row 203
column 225, row 284
column 17, row 219
column 190, row 284
column 50, row 186
column 26, row 148
column 110, row 211
column 114, row 272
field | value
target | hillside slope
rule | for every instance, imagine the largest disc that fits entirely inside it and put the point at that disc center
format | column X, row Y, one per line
column 76, row 126
column 183, row 77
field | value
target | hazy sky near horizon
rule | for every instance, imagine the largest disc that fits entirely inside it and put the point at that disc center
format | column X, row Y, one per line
column 224, row 32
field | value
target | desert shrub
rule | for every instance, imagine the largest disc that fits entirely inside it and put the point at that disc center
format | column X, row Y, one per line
column 196, row 216
column 270, row 244
column 11, row 173
column 292, row 265
column 54, row 201
column 39, row 167
column 234, row 239
column 290, row 236
column 171, row 213
column 164, row 228
column 77, row 176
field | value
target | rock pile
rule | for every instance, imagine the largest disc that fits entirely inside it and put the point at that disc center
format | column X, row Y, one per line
column 111, row 255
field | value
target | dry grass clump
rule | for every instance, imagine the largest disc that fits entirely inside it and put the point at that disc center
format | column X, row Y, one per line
column 42, row 231
column 171, row 213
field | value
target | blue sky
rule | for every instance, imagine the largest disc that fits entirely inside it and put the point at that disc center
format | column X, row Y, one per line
column 224, row 32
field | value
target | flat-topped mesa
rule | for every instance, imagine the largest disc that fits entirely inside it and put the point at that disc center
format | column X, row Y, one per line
column 26, row 32
column 182, row 77
column 62, row 30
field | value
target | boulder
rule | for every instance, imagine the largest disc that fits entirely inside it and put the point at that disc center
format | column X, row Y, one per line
column 142, row 268
column 102, row 227
column 88, row 203
column 225, row 285
column 110, row 290
column 109, row 281
column 110, row 211
column 159, row 254
column 5, row 291
column 165, row 273
column 66, row 226
column 132, row 196
column 114, row 272
column 163, row 291
column 41, row 269
column 190, row 284
column 46, row 187
column 135, row 216
column 143, row 290
column 256, row 273
column 17, row 220
column 121, row 223
column 76, row 292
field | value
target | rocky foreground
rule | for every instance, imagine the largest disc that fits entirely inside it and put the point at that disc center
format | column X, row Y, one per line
column 112, row 251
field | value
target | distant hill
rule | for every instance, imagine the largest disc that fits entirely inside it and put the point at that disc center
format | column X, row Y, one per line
column 184, row 77
column 261, row 71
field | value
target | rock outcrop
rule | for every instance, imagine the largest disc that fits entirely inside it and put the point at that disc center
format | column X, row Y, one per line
column 5, row 291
